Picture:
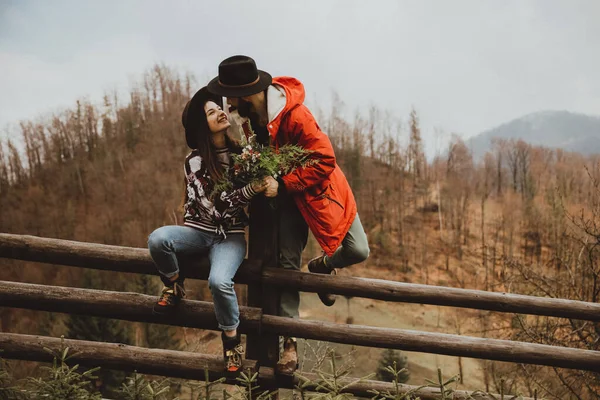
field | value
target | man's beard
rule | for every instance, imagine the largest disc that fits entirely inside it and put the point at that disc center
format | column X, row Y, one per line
column 244, row 108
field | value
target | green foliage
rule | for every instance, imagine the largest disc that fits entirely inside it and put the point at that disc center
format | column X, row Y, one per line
column 100, row 330
column 445, row 392
column 257, row 162
column 205, row 390
column 61, row 381
column 137, row 387
column 248, row 388
column 7, row 389
column 389, row 361
column 331, row 385
column 83, row 327
column 156, row 336
column 383, row 240
column 397, row 374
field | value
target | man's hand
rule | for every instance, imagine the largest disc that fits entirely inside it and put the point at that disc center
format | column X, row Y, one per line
column 271, row 186
column 259, row 187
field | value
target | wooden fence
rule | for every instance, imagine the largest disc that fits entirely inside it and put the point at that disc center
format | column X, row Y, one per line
column 259, row 320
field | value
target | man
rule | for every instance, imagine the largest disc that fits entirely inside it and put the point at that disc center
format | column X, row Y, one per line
column 316, row 197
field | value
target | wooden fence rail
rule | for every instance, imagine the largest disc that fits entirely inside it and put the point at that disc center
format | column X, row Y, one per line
column 138, row 307
column 181, row 364
column 135, row 260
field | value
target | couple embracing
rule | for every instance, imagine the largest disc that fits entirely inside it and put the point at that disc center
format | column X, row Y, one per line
column 315, row 196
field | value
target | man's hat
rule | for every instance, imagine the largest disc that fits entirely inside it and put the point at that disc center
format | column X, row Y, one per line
column 239, row 77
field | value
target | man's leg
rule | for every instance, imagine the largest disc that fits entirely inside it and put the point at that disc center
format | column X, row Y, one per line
column 354, row 249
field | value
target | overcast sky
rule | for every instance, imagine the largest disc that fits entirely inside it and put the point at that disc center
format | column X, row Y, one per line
column 465, row 65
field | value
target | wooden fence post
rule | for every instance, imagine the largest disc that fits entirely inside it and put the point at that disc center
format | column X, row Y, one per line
column 263, row 246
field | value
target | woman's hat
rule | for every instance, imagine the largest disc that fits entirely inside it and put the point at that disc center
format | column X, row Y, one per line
column 239, row 77
column 192, row 113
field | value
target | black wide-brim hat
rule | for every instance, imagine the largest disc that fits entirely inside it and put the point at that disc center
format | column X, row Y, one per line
column 239, row 77
column 193, row 113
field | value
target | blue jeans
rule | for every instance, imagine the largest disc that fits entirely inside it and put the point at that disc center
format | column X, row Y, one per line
column 225, row 256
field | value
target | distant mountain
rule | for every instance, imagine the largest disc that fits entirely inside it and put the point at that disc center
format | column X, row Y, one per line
column 557, row 129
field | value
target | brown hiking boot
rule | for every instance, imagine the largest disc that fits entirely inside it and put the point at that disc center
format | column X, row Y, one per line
column 169, row 298
column 233, row 352
column 288, row 362
column 317, row 266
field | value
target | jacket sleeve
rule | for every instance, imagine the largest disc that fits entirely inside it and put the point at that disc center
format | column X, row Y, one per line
column 306, row 133
column 227, row 203
column 200, row 185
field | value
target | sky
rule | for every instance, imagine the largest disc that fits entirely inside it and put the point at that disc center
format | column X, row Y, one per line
column 465, row 65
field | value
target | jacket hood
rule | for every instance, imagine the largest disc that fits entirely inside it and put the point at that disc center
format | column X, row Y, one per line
column 284, row 94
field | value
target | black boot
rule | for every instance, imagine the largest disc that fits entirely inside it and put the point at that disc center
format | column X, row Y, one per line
column 170, row 296
column 233, row 351
column 318, row 266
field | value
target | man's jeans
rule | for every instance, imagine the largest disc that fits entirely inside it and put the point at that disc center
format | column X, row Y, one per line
column 293, row 235
column 225, row 256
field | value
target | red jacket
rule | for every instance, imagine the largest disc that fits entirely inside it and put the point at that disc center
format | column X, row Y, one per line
column 321, row 191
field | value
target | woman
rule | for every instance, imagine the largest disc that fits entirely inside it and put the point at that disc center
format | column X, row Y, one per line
column 214, row 221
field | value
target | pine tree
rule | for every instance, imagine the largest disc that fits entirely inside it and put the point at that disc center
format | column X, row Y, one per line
column 83, row 327
column 388, row 357
column 416, row 155
column 155, row 335
column 62, row 381
column 7, row 389
column 137, row 387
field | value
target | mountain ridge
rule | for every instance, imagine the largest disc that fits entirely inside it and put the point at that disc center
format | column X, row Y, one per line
column 563, row 129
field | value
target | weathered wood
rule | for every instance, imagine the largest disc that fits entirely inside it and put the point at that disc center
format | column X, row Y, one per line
column 171, row 363
column 380, row 289
column 126, row 306
column 136, row 307
column 124, row 259
column 117, row 356
column 263, row 246
column 439, row 343
column 103, row 257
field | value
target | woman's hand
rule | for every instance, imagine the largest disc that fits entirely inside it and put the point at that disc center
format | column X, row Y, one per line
column 272, row 186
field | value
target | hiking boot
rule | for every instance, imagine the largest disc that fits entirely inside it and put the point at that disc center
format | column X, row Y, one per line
column 318, row 266
column 233, row 351
column 288, row 362
column 169, row 298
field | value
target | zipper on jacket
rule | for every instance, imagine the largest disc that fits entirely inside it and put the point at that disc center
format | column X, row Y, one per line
column 334, row 200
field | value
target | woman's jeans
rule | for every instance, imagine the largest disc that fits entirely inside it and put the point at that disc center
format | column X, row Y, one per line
column 225, row 256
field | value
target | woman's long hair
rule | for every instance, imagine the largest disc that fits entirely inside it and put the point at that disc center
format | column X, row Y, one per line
column 198, row 134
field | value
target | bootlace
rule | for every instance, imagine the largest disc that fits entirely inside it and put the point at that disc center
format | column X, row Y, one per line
column 234, row 358
column 168, row 293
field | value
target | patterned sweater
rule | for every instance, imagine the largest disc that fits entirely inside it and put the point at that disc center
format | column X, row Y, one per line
column 226, row 214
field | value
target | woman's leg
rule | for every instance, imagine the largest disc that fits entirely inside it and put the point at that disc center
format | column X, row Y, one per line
column 165, row 244
column 225, row 259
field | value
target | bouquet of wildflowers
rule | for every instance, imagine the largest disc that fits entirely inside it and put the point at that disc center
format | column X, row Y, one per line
column 257, row 161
